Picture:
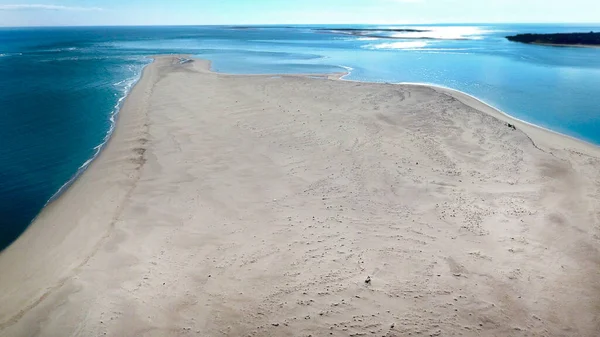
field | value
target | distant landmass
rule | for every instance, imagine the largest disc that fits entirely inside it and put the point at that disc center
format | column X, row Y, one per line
column 384, row 33
column 372, row 30
column 340, row 30
column 590, row 39
column 377, row 33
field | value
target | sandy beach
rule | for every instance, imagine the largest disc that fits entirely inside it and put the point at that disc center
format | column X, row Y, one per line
column 229, row 205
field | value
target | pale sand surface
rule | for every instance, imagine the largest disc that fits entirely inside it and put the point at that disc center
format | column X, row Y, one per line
column 258, row 206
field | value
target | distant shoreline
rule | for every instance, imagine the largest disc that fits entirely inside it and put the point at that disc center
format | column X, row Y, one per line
column 581, row 40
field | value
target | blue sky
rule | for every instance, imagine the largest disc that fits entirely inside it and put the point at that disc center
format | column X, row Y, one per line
column 199, row 12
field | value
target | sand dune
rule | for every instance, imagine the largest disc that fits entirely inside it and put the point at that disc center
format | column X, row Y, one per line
column 294, row 206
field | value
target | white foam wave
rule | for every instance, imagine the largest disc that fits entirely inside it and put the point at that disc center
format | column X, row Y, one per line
column 368, row 38
column 126, row 86
column 74, row 58
column 8, row 55
column 412, row 45
column 348, row 71
column 61, row 50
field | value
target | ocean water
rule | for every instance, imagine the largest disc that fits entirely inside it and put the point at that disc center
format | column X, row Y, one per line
column 61, row 88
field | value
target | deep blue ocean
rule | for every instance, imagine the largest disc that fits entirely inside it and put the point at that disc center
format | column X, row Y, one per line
column 60, row 88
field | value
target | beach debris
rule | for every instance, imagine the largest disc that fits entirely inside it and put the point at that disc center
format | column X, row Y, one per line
column 275, row 324
column 368, row 280
column 511, row 126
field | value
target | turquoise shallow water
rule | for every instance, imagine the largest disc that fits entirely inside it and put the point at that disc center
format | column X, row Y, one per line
column 60, row 88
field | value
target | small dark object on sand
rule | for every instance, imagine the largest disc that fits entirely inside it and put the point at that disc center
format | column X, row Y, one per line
column 511, row 126
column 368, row 280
